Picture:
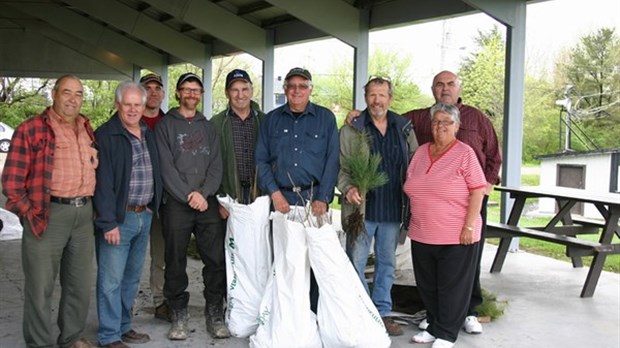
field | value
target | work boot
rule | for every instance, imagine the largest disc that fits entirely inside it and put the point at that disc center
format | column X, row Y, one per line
column 163, row 312
column 179, row 328
column 214, row 318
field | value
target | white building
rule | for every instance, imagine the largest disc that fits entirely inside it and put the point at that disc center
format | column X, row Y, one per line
column 595, row 171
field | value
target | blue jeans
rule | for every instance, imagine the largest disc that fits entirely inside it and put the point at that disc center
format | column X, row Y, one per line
column 386, row 239
column 118, row 275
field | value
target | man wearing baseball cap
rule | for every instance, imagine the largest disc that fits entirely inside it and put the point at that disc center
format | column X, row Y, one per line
column 151, row 115
column 191, row 162
column 297, row 152
column 237, row 127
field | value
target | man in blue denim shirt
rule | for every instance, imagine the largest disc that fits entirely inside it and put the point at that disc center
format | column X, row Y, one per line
column 297, row 153
column 298, row 148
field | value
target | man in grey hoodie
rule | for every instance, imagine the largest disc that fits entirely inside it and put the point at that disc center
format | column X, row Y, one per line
column 191, row 171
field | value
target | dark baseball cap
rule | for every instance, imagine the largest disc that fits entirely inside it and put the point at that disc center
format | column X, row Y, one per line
column 299, row 72
column 151, row 77
column 189, row 77
column 235, row 75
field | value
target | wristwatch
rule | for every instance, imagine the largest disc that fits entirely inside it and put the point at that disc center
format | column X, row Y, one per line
column 469, row 228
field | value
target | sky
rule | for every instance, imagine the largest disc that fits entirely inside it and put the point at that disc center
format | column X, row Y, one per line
column 551, row 26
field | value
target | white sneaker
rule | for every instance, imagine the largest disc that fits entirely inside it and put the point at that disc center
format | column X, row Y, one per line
column 472, row 326
column 423, row 337
column 439, row 343
column 423, row 325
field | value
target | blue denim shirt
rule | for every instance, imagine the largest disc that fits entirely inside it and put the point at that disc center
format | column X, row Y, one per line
column 305, row 147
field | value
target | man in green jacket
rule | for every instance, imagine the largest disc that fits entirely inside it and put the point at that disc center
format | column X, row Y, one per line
column 237, row 127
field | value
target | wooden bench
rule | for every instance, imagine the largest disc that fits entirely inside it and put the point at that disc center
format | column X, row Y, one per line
column 574, row 246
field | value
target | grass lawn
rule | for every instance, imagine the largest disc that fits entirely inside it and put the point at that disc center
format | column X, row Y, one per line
column 612, row 264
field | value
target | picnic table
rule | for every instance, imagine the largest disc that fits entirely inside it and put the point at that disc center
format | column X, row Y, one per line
column 608, row 204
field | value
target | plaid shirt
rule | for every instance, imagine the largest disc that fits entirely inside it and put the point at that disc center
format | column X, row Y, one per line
column 28, row 168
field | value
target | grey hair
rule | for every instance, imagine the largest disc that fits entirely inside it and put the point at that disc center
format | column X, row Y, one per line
column 127, row 86
column 378, row 81
column 449, row 109
column 64, row 77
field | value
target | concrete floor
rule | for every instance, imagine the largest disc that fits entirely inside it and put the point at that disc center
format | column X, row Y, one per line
column 542, row 294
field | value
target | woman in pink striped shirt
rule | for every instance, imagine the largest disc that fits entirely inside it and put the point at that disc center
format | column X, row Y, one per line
column 445, row 184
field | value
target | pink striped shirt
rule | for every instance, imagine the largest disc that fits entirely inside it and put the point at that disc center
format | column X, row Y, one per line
column 439, row 193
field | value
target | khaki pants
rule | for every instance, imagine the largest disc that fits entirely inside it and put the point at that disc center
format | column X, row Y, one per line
column 158, row 263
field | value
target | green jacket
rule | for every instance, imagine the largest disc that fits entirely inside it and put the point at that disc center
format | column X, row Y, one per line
column 230, row 180
column 408, row 145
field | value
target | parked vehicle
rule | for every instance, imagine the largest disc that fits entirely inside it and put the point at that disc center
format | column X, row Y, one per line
column 6, row 133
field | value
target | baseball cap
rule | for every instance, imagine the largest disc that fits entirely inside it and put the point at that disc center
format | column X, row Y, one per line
column 299, row 72
column 151, row 77
column 189, row 76
column 235, row 75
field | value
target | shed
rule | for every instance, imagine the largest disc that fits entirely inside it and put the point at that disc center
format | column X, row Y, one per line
column 595, row 171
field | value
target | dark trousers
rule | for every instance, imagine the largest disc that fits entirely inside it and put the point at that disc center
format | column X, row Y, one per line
column 444, row 277
column 476, row 293
column 179, row 222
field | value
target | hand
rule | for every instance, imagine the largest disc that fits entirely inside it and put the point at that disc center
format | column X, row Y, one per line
column 467, row 236
column 351, row 115
column 280, row 203
column 319, row 208
column 113, row 236
column 353, row 196
column 197, row 201
column 223, row 212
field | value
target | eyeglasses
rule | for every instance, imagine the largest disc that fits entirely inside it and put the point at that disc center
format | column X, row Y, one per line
column 301, row 86
column 187, row 90
column 379, row 78
column 442, row 122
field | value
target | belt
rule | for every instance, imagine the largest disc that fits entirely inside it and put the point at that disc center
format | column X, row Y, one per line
column 76, row 201
column 299, row 188
column 136, row 208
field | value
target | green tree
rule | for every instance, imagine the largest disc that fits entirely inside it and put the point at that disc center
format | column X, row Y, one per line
column 335, row 90
column 482, row 76
column 592, row 68
column 21, row 98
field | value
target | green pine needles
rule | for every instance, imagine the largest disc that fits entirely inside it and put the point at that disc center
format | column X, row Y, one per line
column 362, row 168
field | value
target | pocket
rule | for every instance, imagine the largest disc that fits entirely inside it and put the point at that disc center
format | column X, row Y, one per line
column 315, row 143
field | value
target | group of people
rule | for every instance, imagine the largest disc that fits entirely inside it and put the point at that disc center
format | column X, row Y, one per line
column 146, row 175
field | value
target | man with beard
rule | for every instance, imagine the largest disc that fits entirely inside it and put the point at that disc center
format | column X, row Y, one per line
column 191, row 171
column 384, row 207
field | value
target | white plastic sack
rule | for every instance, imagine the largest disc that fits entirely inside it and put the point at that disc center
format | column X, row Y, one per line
column 346, row 315
column 248, row 262
column 12, row 228
column 285, row 319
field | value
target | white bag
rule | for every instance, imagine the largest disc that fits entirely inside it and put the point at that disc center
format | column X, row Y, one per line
column 285, row 319
column 346, row 315
column 248, row 262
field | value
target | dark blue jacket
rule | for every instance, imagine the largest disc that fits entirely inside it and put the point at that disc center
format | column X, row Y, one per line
column 114, row 173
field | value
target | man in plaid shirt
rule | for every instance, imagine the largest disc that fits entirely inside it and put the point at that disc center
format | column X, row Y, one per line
column 49, row 179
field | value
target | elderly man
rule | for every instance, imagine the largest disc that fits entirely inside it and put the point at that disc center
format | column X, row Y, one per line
column 191, row 162
column 127, row 193
column 297, row 152
column 391, row 137
column 237, row 127
column 49, row 179
column 152, row 114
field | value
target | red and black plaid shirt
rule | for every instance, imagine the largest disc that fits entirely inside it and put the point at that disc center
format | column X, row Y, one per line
column 28, row 170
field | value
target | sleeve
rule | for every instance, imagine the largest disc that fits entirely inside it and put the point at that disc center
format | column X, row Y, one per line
column 330, row 169
column 169, row 174
column 213, row 176
column 16, row 169
column 344, row 179
column 472, row 172
column 105, row 196
column 266, row 179
column 491, row 149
